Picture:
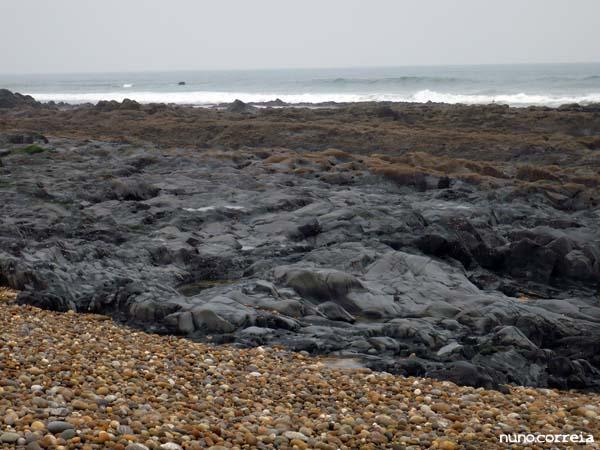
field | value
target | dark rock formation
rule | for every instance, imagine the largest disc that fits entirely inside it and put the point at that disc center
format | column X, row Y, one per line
column 474, row 275
column 113, row 105
column 239, row 106
column 16, row 100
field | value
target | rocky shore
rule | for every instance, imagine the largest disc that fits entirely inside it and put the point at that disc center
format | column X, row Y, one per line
column 82, row 381
column 455, row 242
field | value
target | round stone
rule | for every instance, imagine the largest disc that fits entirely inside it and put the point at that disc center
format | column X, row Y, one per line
column 58, row 426
column 103, row 437
column 416, row 419
column 136, row 447
column 384, row 420
column 37, row 426
column 295, row 435
column 68, row 434
column 11, row 418
column 447, row 445
column 9, row 437
column 171, row 446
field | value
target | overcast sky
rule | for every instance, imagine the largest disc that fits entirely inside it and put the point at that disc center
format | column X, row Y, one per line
column 126, row 35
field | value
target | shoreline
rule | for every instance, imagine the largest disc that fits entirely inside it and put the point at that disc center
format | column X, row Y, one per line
column 276, row 103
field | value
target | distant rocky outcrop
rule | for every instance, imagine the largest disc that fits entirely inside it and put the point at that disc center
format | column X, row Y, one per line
column 112, row 105
column 274, row 103
column 239, row 106
column 9, row 99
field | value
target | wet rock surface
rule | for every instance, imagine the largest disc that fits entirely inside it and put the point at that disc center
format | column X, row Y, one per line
column 417, row 272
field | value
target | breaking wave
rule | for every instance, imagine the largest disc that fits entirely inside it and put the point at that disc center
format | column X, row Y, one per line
column 520, row 99
column 208, row 98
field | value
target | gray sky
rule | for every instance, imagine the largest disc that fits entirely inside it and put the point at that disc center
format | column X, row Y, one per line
column 126, row 35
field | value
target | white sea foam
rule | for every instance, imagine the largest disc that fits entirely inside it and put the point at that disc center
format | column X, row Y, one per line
column 205, row 98
column 520, row 99
column 127, row 85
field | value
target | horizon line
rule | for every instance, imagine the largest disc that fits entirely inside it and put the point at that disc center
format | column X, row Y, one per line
column 130, row 71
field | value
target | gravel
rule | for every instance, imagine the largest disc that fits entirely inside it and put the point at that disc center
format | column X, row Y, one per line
column 169, row 393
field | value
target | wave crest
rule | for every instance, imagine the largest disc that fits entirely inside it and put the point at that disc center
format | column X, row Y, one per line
column 208, row 98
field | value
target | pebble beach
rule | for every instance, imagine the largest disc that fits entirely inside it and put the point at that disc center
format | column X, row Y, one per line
column 82, row 381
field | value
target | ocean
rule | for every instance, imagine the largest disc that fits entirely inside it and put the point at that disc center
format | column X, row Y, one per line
column 515, row 85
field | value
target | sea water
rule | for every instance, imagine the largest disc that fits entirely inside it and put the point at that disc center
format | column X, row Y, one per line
column 516, row 85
